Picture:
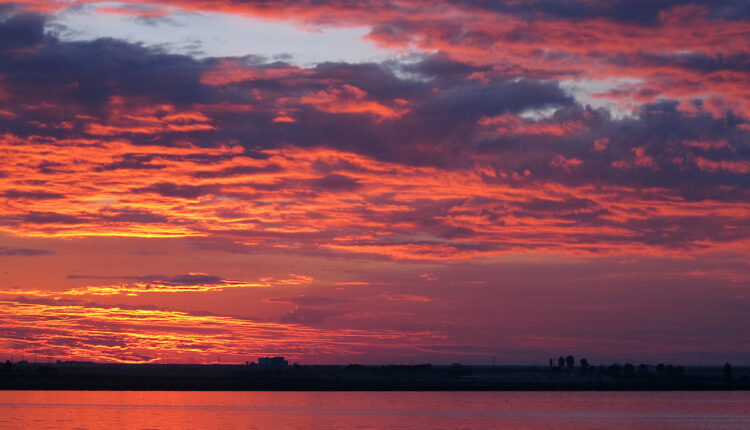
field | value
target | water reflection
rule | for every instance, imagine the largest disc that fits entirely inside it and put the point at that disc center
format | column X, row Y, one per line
column 374, row 410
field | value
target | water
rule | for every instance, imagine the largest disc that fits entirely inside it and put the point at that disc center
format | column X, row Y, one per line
column 374, row 410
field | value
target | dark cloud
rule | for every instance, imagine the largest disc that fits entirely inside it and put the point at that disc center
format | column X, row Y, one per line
column 52, row 218
column 312, row 309
column 128, row 215
column 646, row 151
column 471, row 101
column 457, row 233
column 238, row 170
column 308, row 316
column 336, row 182
column 149, row 278
column 23, row 252
column 123, row 215
column 193, row 279
column 31, row 195
column 89, row 73
column 187, row 279
column 632, row 12
column 441, row 67
column 308, row 300
column 173, row 190
column 134, row 161
column 681, row 232
column 547, row 205
column 20, row 31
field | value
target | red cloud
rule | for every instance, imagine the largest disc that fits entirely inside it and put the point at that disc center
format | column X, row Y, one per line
column 513, row 124
column 350, row 99
column 279, row 201
column 131, row 334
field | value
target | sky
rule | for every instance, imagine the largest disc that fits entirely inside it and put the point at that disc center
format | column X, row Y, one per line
column 390, row 182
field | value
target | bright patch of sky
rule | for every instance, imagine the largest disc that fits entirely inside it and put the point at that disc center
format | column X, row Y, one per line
column 588, row 92
column 217, row 34
column 538, row 114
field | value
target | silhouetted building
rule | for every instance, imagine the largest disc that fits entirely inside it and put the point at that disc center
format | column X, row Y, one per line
column 272, row 363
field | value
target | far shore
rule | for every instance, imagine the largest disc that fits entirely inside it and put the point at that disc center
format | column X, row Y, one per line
column 425, row 377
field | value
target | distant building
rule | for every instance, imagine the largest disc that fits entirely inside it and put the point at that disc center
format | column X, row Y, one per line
column 272, row 363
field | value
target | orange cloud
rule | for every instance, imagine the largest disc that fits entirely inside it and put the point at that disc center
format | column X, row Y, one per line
column 232, row 71
column 514, row 124
column 192, row 283
column 350, row 99
column 70, row 330
column 115, row 188
column 124, row 117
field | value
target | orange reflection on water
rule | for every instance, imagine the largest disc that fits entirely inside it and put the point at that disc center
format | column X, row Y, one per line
column 376, row 410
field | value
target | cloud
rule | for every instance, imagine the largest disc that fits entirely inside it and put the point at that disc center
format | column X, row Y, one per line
column 167, row 189
column 24, row 252
column 135, row 12
column 189, row 283
column 278, row 199
column 474, row 151
column 654, row 43
column 451, row 155
column 119, row 333
column 336, row 182
column 88, row 74
column 31, row 195
column 20, row 31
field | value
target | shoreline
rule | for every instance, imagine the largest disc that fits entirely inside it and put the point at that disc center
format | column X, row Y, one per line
column 184, row 377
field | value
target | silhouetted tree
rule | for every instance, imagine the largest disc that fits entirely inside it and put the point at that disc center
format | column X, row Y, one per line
column 629, row 370
column 643, row 371
column 584, row 364
column 727, row 371
column 7, row 365
column 614, row 371
column 560, row 362
column 669, row 370
column 660, row 369
column 570, row 361
column 679, row 371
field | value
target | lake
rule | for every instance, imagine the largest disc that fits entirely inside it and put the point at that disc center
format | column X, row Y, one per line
column 374, row 410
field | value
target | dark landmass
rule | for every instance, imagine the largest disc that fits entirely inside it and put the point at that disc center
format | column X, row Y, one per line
column 94, row 376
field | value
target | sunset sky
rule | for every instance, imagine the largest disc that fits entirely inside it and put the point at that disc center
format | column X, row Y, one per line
column 375, row 181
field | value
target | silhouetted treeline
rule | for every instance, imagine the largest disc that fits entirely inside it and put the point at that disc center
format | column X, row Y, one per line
column 628, row 370
column 580, row 375
column 645, row 376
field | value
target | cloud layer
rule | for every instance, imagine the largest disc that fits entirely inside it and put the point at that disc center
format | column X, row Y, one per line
column 559, row 130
